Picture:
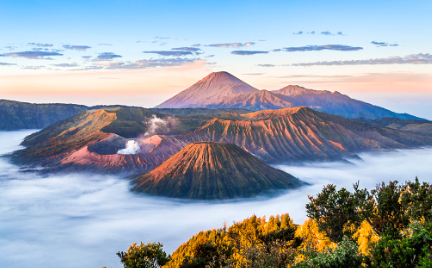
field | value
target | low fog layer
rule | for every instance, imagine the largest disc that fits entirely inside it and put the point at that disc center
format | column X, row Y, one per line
column 82, row 220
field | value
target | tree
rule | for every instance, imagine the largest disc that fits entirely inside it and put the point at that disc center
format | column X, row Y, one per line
column 148, row 255
column 413, row 250
column 335, row 210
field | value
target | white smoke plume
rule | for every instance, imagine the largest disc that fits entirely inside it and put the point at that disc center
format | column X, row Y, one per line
column 132, row 147
column 158, row 125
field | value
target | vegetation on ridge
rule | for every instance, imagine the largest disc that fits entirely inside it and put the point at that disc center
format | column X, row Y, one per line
column 389, row 226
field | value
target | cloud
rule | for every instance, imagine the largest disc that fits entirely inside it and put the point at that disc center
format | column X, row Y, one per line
column 248, row 52
column 108, row 63
column 68, row 65
column 326, row 33
column 40, row 45
column 196, row 45
column 33, row 67
column 266, row 65
column 105, row 44
column 77, row 48
column 323, row 47
column 323, row 33
column 170, row 53
column 106, row 56
column 144, row 64
column 33, row 54
column 86, row 57
column 254, row 74
column 162, row 37
column 6, row 64
column 190, row 49
column 227, row 45
column 410, row 59
column 384, row 44
column 95, row 216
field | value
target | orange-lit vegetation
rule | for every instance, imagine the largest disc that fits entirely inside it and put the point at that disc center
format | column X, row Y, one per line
column 389, row 226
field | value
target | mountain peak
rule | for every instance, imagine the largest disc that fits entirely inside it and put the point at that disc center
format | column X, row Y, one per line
column 210, row 89
column 209, row 170
column 296, row 90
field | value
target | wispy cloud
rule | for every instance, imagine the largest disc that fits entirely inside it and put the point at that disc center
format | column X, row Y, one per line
column 33, row 54
column 227, row 45
column 196, row 45
column 77, row 48
column 169, row 53
column 383, row 44
column 409, row 59
column 248, row 52
column 143, row 64
column 66, row 65
column 106, row 56
column 105, row 44
column 266, row 65
column 33, row 67
column 6, row 64
column 323, row 47
column 40, row 44
column 108, row 63
column 323, row 33
column 190, row 49
column 256, row 74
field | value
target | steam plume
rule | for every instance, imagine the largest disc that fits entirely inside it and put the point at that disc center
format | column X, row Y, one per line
column 132, row 147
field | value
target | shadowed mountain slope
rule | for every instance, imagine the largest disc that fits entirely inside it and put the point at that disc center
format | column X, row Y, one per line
column 420, row 126
column 208, row 170
column 22, row 115
column 222, row 90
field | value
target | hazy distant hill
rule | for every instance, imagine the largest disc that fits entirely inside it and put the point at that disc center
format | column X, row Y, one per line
column 22, row 115
column 421, row 126
column 208, row 170
column 223, row 90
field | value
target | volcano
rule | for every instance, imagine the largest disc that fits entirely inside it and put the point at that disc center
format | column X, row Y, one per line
column 208, row 170
column 222, row 90
column 210, row 89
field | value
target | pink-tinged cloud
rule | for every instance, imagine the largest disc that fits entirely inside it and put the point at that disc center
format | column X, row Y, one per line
column 140, row 86
column 409, row 59
column 33, row 54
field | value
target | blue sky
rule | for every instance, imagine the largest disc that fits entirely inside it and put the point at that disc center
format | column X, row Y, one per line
column 362, row 48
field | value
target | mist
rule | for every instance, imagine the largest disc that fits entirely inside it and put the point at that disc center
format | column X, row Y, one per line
column 82, row 220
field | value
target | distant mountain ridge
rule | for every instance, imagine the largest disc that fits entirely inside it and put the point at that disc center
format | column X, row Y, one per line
column 223, row 90
column 22, row 115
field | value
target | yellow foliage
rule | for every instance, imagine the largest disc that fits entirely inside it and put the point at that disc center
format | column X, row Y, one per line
column 365, row 235
column 313, row 239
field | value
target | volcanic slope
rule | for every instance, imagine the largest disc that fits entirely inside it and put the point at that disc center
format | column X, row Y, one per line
column 91, row 140
column 210, row 89
column 207, row 170
column 223, row 90
column 301, row 133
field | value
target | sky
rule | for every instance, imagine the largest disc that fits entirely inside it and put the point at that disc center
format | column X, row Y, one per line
column 143, row 52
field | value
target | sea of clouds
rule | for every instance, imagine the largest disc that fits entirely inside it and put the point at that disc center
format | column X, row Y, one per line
column 82, row 220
